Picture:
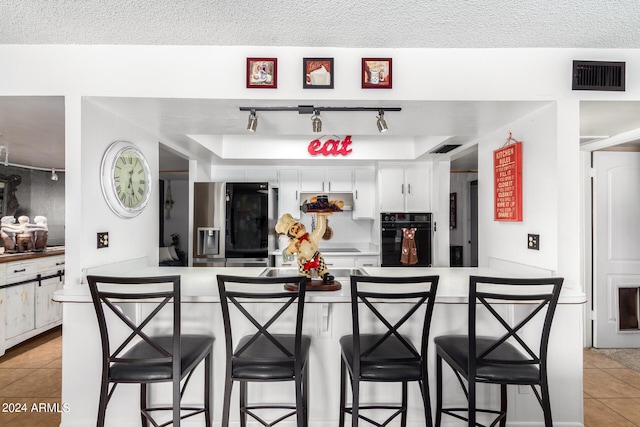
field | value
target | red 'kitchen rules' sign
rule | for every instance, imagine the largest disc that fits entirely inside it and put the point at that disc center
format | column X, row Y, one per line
column 507, row 170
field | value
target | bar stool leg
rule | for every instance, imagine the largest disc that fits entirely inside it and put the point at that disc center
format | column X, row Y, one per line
column 472, row 402
column 143, row 404
column 243, row 403
column 503, row 404
column 403, row 415
column 426, row 400
column 305, row 390
column 299, row 399
column 226, row 403
column 355, row 389
column 343, row 391
column 438, row 390
column 546, row 403
column 208, row 363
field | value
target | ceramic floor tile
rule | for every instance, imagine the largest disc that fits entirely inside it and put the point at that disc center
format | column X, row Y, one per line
column 36, row 357
column 626, row 375
column 628, row 408
column 596, row 414
column 597, row 360
column 8, row 376
column 39, row 383
column 599, row 384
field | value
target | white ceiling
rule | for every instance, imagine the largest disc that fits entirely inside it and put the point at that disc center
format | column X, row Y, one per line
column 33, row 127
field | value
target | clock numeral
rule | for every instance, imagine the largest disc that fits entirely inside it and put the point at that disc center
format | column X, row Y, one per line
column 143, row 182
column 122, row 197
column 140, row 190
column 118, row 189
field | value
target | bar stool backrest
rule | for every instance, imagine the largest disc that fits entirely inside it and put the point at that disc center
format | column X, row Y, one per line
column 242, row 294
column 541, row 298
column 112, row 292
column 368, row 295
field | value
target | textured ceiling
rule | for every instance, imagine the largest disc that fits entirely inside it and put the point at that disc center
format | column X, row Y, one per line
column 332, row 23
column 606, row 24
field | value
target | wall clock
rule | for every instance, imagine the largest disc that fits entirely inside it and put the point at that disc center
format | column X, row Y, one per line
column 125, row 178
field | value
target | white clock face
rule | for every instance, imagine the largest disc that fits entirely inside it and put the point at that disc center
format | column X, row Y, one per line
column 130, row 179
column 125, row 179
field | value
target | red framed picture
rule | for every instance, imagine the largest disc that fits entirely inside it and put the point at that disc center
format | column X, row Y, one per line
column 317, row 73
column 376, row 73
column 262, row 73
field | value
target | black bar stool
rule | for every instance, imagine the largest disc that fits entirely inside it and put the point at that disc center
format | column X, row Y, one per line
column 384, row 354
column 505, row 359
column 264, row 356
column 143, row 358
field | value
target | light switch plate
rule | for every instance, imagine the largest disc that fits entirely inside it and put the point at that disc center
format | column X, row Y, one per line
column 103, row 240
column 533, row 242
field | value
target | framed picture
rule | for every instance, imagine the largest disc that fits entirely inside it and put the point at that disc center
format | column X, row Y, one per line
column 262, row 73
column 317, row 73
column 376, row 73
column 453, row 211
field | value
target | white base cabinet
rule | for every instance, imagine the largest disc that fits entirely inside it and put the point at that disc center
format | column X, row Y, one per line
column 28, row 309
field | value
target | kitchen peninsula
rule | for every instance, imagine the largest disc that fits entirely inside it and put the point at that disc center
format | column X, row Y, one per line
column 27, row 283
column 327, row 318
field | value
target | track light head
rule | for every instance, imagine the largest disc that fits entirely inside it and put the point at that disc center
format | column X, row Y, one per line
column 382, row 124
column 54, row 175
column 252, row 124
column 316, row 122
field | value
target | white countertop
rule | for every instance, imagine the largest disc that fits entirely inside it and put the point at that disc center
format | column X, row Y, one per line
column 199, row 283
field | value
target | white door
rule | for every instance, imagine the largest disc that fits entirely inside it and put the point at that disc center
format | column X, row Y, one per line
column 616, row 249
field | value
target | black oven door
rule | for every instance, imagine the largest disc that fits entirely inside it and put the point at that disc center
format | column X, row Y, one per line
column 391, row 244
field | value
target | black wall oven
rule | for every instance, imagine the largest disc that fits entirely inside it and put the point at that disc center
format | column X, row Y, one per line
column 409, row 231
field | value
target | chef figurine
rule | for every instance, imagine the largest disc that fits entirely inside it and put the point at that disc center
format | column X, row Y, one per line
column 305, row 245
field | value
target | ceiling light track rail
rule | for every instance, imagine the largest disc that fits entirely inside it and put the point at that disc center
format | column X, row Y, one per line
column 316, row 121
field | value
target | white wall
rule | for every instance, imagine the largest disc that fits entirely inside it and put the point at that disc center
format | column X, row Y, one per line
column 179, row 221
column 420, row 74
column 508, row 240
column 128, row 238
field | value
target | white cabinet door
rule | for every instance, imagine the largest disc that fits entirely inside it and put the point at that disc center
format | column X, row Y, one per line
column 289, row 193
column 364, row 196
column 325, row 181
column 312, row 181
column 405, row 189
column 47, row 310
column 20, row 310
column 261, row 175
column 338, row 181
column 418, row 188
column 391, row 189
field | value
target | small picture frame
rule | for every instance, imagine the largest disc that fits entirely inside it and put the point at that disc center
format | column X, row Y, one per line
column 262, row 73
column 453, row 211
column 317, row 73
column 376, row 73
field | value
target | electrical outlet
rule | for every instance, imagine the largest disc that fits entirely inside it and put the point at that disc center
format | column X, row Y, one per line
column 103, row 240
column 533, row 242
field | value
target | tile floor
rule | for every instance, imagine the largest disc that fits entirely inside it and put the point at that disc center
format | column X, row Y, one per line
column 30, row 382
column 30, row 387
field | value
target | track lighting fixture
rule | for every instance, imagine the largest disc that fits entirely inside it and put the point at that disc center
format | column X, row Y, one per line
column 54, row 175
column 253, row 121
column 316, row 122
column 382, row 124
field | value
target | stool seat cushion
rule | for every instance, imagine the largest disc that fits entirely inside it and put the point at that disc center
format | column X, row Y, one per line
column 194, row 349
column 391, row 361
column 455, row 350
column 263, row 360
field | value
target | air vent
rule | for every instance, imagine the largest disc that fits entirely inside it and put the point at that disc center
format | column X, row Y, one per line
column 598, row 75
column 444, row 148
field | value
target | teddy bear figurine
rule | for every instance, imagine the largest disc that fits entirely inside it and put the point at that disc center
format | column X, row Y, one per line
column 305, row 245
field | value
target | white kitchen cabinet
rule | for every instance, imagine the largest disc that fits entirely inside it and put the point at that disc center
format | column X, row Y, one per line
column 337, row 261
column 261, row 175
column 48, row 312
column 227, row 174
column 367, row 261
column 364, row 194
column 325, row 180
column 405, row 189
column 28, row 309
column 289, row 193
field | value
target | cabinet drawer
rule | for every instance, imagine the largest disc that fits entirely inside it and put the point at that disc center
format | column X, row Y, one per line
column 17, row 271
column 50, row 264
